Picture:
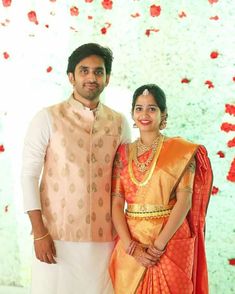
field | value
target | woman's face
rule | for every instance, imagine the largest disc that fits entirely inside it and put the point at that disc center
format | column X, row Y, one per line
column 147, row 114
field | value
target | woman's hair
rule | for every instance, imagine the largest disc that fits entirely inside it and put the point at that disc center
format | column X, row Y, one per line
column 157, row 93
column 87, row 50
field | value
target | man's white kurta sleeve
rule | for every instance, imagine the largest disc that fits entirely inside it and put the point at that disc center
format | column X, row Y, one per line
column 35, row 145
column 126, row 132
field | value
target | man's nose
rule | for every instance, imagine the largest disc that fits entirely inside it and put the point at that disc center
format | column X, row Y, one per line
column 91, row 76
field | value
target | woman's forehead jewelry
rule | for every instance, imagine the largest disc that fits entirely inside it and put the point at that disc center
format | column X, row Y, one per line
column 145, row 92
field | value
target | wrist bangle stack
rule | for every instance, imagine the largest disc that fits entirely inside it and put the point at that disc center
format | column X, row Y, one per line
column 40, row 238
column 158, row 251
column 131, row 248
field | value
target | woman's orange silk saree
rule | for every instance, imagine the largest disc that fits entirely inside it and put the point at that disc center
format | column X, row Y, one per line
column 182, row 268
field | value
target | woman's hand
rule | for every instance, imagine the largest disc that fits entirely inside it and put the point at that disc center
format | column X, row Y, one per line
column 142, row 256
column 155, row 252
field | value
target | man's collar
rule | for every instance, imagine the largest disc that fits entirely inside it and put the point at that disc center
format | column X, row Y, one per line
column 77, row 105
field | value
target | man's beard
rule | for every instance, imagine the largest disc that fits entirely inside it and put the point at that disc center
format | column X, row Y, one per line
column 91, row 94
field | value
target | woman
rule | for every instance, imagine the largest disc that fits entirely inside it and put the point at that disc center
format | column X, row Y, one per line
column 166, row 183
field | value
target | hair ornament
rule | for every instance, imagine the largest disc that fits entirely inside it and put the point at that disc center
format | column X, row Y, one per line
column 145, row 92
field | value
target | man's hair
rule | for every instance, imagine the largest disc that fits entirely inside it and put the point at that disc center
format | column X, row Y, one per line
column 87, row 50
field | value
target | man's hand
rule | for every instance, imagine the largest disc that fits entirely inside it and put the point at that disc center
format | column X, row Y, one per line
column 45, row 250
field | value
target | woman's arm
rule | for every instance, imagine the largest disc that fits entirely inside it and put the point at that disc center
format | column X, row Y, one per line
column 119, row 220
column 137, row 250
column 181, row 208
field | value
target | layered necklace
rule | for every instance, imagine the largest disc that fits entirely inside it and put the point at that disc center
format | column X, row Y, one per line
column 138, row 149
column 141, row 149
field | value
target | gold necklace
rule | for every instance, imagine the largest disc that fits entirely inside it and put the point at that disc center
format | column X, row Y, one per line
column 150, row 171
column 140, row 149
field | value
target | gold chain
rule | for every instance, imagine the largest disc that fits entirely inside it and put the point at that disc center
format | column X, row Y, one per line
column 150, row 171
column 140, row 149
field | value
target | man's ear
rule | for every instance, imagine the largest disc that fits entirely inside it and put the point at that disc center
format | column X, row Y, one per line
column 107, row 80
column 71, row 78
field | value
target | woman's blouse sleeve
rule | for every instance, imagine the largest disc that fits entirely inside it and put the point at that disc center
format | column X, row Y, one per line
column 117, row 185
column 186, row 182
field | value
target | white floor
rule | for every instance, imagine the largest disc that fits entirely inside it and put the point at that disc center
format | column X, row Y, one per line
column 13, row 290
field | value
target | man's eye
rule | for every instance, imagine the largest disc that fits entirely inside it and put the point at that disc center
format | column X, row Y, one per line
column 99, row 72
column 84, row 71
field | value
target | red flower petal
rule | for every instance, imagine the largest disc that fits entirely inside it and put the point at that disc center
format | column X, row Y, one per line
column 6, row 208
column 229, row 108
column 185, row 81
column 103, row 31
column 46, row 26
column 155, row 10
column 213, row 1
column 148, row 31
column 214, row 54
column 234, row 79
column 6, row 55
column 135, row 15
column 32, row 16
column 2, row 149
column 231, row 261
column 107, row 4
column 6, row 3
column 231, row 173
column 88, row 1
column 231, row 143
column 214, row 17
column 209, row 84
column 221, row 154
column 182, row 14
column 215, row 190
column 74, row 11
column 49, row 69
column 90, row 17
column 227, row 127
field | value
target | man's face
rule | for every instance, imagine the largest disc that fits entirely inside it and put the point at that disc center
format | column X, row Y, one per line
column 89, row 78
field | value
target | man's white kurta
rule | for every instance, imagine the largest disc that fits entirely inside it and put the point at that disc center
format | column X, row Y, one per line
column 82, row 267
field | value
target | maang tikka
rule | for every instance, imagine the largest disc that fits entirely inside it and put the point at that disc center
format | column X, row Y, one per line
column 145, row 92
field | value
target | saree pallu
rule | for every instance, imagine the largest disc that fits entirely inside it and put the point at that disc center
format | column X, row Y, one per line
column 182, row 268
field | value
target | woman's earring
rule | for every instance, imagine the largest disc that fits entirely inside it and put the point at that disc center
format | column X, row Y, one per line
column 162, row 124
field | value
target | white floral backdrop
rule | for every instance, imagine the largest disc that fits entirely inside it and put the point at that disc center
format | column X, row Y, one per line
column 186, row 47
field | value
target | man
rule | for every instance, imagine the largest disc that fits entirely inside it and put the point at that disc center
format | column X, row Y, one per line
column 74, row 142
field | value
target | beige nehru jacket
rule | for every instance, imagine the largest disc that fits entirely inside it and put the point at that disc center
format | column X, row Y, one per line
column 76, row 147
column 76, row 179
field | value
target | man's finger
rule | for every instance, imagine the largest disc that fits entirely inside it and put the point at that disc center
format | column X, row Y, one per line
column 53, row 249
column 50, row 258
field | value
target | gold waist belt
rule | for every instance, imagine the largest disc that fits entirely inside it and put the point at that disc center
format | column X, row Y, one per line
column 148, row 210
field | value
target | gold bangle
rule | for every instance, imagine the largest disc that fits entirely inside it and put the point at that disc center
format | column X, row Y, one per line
column 40, row 238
